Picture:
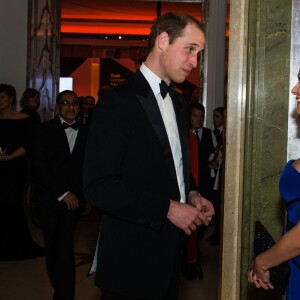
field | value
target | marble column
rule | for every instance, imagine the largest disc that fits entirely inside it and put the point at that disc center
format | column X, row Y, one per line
column 266, row 125
column 43, row 58
column 230, row 273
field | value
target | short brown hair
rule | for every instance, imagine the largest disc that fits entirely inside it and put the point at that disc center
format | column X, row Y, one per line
column 173, row 24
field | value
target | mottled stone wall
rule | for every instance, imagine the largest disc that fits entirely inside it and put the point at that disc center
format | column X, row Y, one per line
column 266, row 125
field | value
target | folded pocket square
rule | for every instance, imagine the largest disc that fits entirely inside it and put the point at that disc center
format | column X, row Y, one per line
column 263, row 240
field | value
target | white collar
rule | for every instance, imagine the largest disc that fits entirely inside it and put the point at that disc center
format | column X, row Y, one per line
column 63, row 121
column 152, row 79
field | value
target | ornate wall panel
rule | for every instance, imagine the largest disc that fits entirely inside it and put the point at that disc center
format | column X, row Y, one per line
column 43, row 52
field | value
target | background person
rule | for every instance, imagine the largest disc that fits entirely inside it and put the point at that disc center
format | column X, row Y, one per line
column 30, row 102
column 58, row 160
column 206, row 145
column 85, row 114
column 15, row 143
column 202, row 144
column 216, row 164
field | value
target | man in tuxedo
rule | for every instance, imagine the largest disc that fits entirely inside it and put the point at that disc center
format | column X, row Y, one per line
column 58, row 161
column 218, row 119
column 137, row 169
column 87, row 106
column 202, row 144
column 206, row 145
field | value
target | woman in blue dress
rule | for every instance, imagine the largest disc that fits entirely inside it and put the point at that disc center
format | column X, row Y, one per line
column 288, row 246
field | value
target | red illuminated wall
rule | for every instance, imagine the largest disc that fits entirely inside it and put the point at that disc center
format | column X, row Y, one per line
column 118, row 16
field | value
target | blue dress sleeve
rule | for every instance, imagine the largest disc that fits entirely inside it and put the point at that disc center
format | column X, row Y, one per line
column 289, row 183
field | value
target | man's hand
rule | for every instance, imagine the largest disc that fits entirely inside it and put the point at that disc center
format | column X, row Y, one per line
column 184, row 216
column 204, row 206
column 71, row 200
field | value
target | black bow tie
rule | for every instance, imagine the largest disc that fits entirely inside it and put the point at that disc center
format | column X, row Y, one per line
column 66, row 125
column 165, row 89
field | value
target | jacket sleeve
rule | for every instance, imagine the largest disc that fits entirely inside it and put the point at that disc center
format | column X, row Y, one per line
column 43, row 162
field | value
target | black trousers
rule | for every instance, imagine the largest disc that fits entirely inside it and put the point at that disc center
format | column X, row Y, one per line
column 59, row 226
column 172, row 294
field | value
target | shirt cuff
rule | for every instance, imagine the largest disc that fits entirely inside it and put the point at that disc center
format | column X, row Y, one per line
column 63, row 196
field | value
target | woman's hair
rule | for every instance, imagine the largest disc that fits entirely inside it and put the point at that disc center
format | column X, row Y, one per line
column 27, row 94
column 173, row 24
column 10, row 91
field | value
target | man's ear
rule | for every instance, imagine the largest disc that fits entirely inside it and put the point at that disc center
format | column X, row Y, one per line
column 163, row 40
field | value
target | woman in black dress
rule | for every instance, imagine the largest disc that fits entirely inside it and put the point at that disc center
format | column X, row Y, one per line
column 30, row 101
column 15, row 143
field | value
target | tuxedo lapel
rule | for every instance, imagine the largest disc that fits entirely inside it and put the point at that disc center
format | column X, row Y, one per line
column 61, row 135
column 182, row 126
column 150, row 106
column 81, row 135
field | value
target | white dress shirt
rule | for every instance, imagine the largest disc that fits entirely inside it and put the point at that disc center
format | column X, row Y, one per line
column 168, row 115
column 71, row 134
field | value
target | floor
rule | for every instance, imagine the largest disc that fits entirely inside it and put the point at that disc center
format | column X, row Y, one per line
column 27, row 280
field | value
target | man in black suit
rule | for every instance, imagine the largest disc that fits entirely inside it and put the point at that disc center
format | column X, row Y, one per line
column 200, row 153
column 58, row 161
column 137, row 169
column 206, row 146
column 87, row 106
column 218, row 119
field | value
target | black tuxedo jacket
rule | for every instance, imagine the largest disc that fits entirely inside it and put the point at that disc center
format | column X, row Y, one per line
column 130, row 175
column 55, row 168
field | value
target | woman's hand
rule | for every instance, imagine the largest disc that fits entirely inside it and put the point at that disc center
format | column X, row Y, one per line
column 259, row 274
column 17, row 153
